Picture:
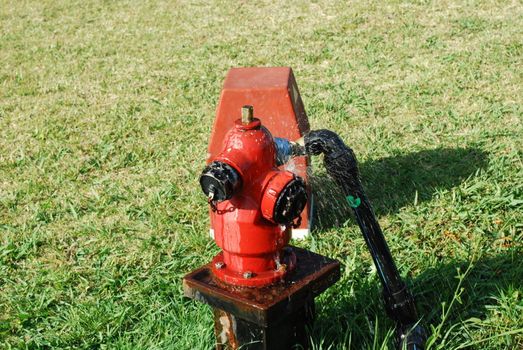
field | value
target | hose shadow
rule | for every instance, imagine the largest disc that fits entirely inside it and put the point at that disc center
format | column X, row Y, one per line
column 393, row 182
column 350, row 320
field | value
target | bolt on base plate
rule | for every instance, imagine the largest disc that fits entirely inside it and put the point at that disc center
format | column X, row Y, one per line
column 249, row 278
column 273, row 317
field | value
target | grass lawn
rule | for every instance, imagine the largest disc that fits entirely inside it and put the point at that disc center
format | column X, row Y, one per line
column 105, row 112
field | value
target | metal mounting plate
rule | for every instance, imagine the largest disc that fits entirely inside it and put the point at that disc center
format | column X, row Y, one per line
column 314, row 273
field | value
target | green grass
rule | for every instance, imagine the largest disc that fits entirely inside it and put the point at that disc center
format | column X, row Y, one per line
column 105, row 112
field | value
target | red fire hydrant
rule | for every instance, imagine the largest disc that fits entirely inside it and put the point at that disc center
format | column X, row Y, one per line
column 253, row 205
column 262, row 290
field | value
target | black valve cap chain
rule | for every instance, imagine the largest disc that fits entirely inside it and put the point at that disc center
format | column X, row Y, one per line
column 290, row 202
column 219, row 181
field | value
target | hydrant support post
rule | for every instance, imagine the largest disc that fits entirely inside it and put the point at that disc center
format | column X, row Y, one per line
column 274, row 317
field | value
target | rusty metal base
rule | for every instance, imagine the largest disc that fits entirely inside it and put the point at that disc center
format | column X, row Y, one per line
column 289, row 333
column 273, row 317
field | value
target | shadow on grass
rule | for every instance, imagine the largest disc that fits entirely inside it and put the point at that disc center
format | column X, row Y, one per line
column 488, row 290
column 393, row 182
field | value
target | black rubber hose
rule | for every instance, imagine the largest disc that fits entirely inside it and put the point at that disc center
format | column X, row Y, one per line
column 341, row 164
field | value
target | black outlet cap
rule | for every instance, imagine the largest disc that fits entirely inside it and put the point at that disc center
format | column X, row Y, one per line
column 291, row 201
column 220, row 179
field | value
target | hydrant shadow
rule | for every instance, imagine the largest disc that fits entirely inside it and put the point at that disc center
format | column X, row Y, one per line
column 394, row 182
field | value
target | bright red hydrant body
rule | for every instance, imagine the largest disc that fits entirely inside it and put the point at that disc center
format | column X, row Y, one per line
column 254, row 204
column 261, row 289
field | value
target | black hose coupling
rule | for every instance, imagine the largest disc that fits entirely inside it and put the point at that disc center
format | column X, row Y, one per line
column 339, row 160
